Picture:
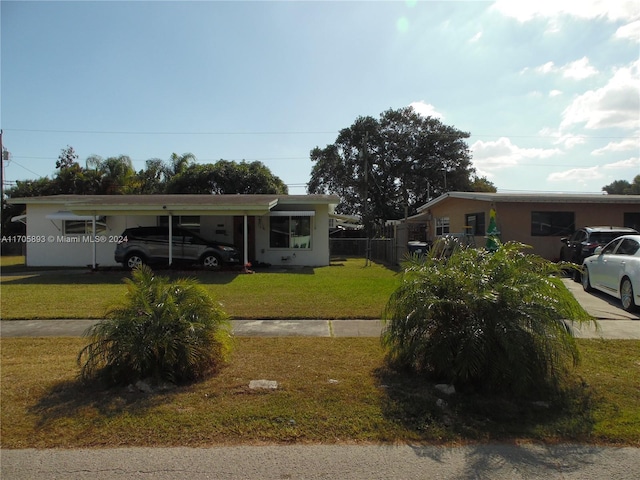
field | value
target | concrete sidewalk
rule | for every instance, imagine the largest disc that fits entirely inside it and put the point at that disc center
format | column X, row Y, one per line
column 609, row 329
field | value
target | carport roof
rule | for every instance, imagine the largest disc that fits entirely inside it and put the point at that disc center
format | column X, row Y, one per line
column 164, row 204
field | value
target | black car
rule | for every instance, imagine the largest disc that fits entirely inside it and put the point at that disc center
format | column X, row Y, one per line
column 583, row 242
column 149, row 245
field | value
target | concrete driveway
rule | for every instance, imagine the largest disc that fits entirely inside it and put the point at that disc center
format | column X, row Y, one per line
column 614, row 322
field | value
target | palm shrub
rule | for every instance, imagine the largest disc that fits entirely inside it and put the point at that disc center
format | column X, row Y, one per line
column 166, row 331
column 489, row 322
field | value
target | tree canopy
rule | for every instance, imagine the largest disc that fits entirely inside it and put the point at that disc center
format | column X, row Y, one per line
column 180, row 174
column 622, row 187
column 385, row 168
column 116, row 176
column 224, row 177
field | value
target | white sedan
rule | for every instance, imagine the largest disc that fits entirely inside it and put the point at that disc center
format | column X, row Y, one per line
column 615, row 269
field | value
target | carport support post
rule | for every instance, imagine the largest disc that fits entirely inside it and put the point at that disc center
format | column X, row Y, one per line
column 95, row 240
column 246, row 241
column 170, row 239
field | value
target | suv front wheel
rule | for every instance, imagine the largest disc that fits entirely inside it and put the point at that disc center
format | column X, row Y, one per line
column 133, row 260
column 211, row 261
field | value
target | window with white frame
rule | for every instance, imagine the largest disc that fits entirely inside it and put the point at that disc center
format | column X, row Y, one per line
column 442, row 226
column 83, row 227
column 290, row 230
column 190, row 222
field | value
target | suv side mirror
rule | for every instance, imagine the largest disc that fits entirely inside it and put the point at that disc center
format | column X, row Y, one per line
column 598, row 250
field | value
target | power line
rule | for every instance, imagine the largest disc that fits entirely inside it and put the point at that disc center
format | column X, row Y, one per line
column 581, row 164
column 105, row 132
column 290, row 132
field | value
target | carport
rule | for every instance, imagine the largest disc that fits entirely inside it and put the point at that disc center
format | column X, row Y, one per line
column 170, row 205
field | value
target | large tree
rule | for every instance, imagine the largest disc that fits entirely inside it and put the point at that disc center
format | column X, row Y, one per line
column 385, row 168
column 622, row 187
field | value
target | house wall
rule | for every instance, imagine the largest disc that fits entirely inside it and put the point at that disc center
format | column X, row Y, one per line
column 317, row 255
column 60, row 250
column 514, row 219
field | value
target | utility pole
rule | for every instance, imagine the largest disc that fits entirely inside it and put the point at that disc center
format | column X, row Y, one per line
column 1, row 180
column 365, row 199
column 1, row 167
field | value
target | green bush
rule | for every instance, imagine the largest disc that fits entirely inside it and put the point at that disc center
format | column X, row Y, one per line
column 166, row 331
column 483, row 321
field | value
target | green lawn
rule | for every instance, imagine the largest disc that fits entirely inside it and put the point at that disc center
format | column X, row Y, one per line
column 331, row 390
column 346, row 289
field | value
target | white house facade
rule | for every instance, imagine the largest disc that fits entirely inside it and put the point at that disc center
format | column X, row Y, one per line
column 83, row 230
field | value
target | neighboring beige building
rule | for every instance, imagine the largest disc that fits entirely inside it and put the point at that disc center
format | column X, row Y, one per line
column 538, row 220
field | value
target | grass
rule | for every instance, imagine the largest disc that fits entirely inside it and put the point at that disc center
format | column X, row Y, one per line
column 332, row 390
column 345, row 289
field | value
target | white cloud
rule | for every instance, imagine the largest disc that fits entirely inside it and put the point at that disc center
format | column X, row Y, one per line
column 632, row 143
column 630, row 31
column 579, row 70
column 555, row 93
column 426, row 109
column 617, row 104
column 633, row 162
column 613, row 10
column 546, row 68
column 584, row 175
column 476, row 37
column 502, row 153
column 576, row 175
column 567, row 140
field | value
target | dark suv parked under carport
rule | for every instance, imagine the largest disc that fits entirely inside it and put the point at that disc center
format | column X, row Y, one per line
column 150, row 245
column 583, row 242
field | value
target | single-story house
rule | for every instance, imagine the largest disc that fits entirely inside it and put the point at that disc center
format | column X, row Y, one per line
column 81, row 230
column 535, row 219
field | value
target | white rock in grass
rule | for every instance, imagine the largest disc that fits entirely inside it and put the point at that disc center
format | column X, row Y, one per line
column 446, row 389
column 144, row 386
column 263, row 384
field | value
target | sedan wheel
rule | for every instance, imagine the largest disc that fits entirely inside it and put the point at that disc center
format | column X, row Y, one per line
column 586, row 283
column 626, row 295
column 211, row 261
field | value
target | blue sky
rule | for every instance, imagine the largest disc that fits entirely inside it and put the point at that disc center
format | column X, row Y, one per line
column 548, row 90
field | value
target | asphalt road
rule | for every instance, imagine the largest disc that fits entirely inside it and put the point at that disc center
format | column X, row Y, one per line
column 494, row 462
